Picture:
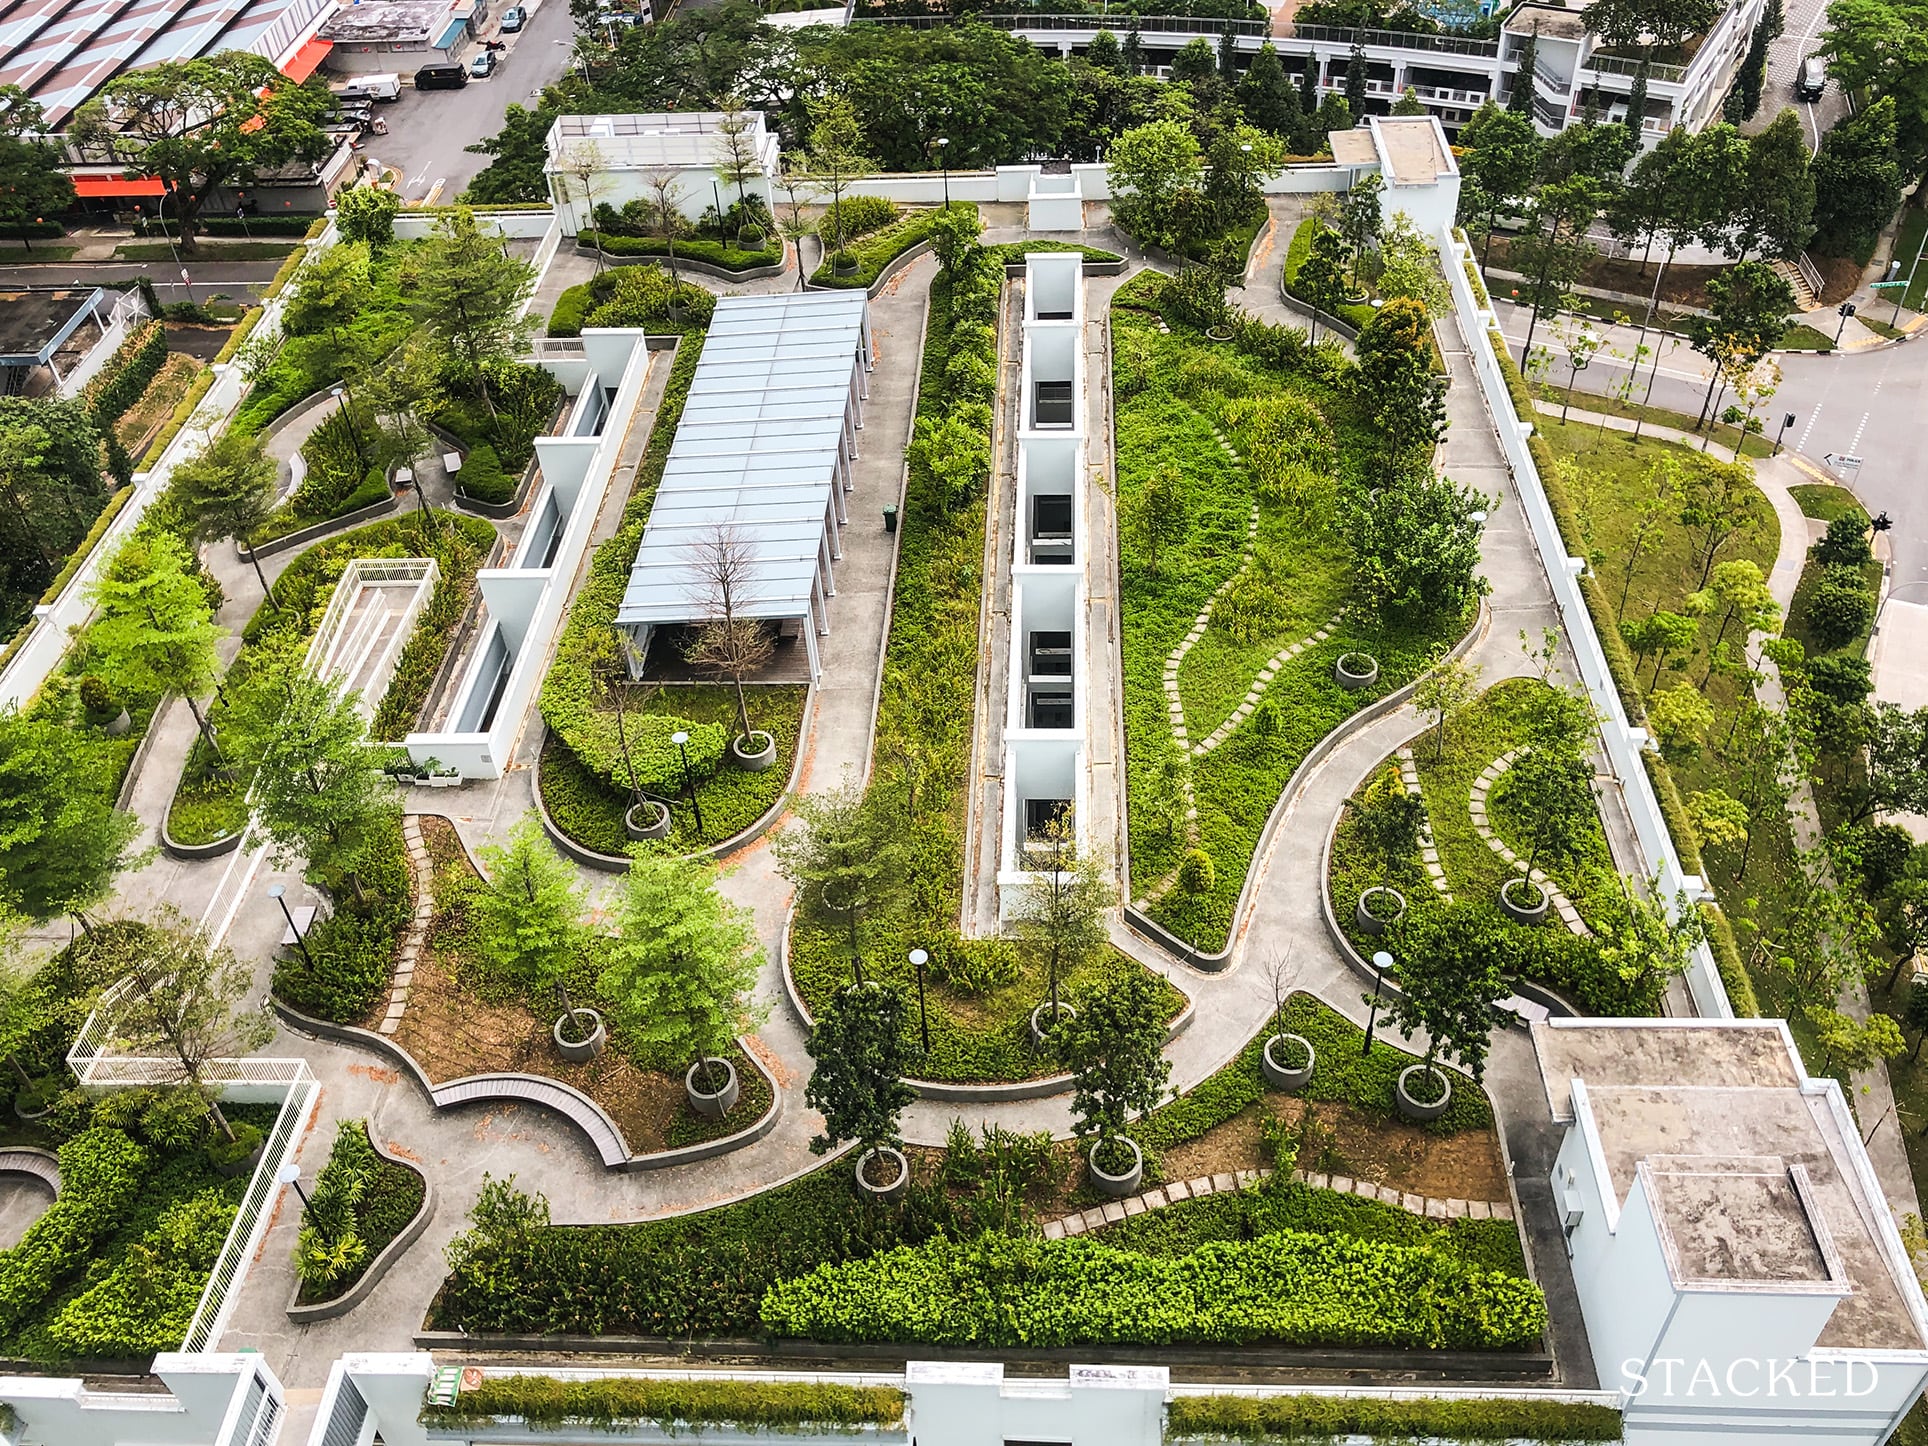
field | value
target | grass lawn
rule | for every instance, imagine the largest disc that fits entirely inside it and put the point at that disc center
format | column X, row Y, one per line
column 590, row 811
column 1881, row 329
column 1914, row 270
column 139, row 423
column 1723, row 435
column 1802, row 337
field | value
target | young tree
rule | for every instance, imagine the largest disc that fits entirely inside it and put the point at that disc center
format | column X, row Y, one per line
column 954, row 236
column 1502, row 158
column 729, row 645
column 61, row 840
column 1897, row 764
column 1159, row 514
column 1131, row 55
column 1648, row 941
column 845, row 861
column 1151, row 169
column 737, row 162
column 152, row 627
column 1719, row 819
column 184, row 1002
column 1576, row 336
column 1359, row 216
column 1552, row 789
column 1857, row 181
column 1749, row 303
column 1451, row 973
column 1444, row 691
column 528, row 921
column 1718, row 498
column 682, row 966
column 1356, row 77
column 367, row 214
column 1417, row 547
column 1267, row 96
column 1321, row 277
column 225, row 491
column 1409, row 103
column 834, row 157
column 1407, row 268
column 581, row 164
column 1680, row 717
column 1738, row 594
column 861, row 1043
column 1063, row 908
column 1114, row 1049
column 470, row 291
column 202, row 125
column 1666, row 637
column 1104, row 54
column 1395, row 372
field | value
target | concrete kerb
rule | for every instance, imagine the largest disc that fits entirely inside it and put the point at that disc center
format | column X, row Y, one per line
column 964, row 1094
column 172, row 846
column 379, row 1266
column 301, row 537
column 141, row 750
column 890, row 269
column 701, row 268
column 1182, row 952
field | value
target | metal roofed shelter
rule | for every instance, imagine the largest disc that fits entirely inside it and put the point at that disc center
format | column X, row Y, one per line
column 35, row 325
column 764, row 447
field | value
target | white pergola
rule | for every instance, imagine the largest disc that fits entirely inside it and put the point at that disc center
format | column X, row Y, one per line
column 764, row 449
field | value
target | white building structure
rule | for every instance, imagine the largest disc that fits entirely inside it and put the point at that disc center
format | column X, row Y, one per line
column 762, row 456
column 1739, row 1270
column 626, row 151
column 1047, row 682
column 526, row 598
column 1411, row 157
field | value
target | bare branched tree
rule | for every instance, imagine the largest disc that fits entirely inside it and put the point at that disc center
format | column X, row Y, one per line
column 730, row 646
column 583, row 162
column 670, row 222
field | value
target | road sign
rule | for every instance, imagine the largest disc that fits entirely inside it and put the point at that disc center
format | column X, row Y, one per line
column 1845, row 462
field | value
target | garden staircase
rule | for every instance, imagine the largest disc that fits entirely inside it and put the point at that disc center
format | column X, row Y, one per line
column 1804, row 278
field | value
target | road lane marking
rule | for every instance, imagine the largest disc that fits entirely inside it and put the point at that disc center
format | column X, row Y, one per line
column 1813, row 417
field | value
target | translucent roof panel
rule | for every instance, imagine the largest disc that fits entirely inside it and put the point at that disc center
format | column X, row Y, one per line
column 756, row 450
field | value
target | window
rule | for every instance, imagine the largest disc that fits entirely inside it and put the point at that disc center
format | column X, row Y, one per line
column 1041, row 813
column 1050, row 655
column 1054, row 405
column 1051, row 708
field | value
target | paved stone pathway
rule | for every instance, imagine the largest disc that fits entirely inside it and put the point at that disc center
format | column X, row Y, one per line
column 1428, row 850
column 421, row 871
column 1174, row 703
column 1112, row 1211
column 1482, row 786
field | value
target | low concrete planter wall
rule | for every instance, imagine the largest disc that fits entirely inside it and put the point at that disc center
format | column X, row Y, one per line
column 379, row 1266
column 1092, row 267
column 687, row 263
column 141, row 750
column 1148, row 928
column 891, row 267
column 302, row 537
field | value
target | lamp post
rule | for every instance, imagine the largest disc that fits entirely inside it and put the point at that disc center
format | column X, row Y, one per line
column 1381, row 962
column 944, row 160
column 1787, row 420
column 290, row 1174
column 340, row 394
column 919, row 958
column 280, row 896
column 681, row 739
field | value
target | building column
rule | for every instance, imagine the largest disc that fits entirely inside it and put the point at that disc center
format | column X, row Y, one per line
column 810, row 642
column 858, row 392
column 826, row 578
column 833, row 532
column 842, row 484
column 849, row 435
column 818, row 611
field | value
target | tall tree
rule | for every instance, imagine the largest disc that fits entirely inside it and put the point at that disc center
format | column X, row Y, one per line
column 61, row 840
column 1151, row 169
column 225, row 491
column 1131, row 55
column 1880, row 48
column 729, row 644
column 1752, row 76
column 1720, row 499
column 470, row 290
column 845, row 861
column 211, row 123
column 1104, row 53
column 861, row 1044
column 834, row 159
column 1451, row 973
column 1113, row 1048
column 1062, row 909
column 1268, row 98
column 1857, row 181
column 152, row 627
column 1650, row 23
column 1554, row 248
column 680, row 971
column 1417, row 546
column 1749, row 305
column 1321, row 277
column 1775, row 217
column 1396, row 377
column 528, row 921
column 1502, row 153
column 1356, row 76
column 1309, row 84
column 1636, row 120
column 33, row 188
column 1520, row 99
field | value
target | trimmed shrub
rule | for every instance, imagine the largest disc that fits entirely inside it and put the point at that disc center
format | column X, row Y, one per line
column 100, row 1172
column 146, row 1302
column 856, row 216
column 546, row 1401
column 711, row 253
column 1321, row 1418
column 482, row 477
column 572, row 309
column 119, row 384
column 1841, row 608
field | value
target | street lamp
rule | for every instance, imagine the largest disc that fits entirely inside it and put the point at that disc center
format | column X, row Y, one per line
column 1381, row 962
column 280, row 896
column 681, row 739
column 1787, row 420
column 290, row 1174
column 340, row 394
column 919, row 958
column 944, row 160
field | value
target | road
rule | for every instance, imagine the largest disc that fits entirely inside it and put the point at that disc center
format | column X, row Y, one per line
column 427, row 130
column 1800, row 38
column 234, row 278
column 1870, row 405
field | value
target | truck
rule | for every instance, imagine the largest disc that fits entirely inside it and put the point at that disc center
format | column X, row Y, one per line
column 380, row 86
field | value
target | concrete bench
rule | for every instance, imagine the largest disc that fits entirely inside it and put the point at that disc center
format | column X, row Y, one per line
column 572, row 1104
column 25, row 1160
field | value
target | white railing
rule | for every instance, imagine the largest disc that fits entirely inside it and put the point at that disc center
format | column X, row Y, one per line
column 363, row 656
column 1622, row 740
column 128, row 309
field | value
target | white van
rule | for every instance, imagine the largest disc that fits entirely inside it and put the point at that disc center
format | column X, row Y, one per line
column 380, row 86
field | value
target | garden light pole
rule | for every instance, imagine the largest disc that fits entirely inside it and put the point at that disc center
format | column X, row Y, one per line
column 681, row 740
column 279, row 895
column 290, row 1174
column 1787, row 420
column 919, row 958
column 1381, row 962
column 944, row 160
column 340, row 394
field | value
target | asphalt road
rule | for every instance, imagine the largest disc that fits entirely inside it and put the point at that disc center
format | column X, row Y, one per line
column 234, row 278
column 1803, row 23
column 427, row 130
column 1871, row 406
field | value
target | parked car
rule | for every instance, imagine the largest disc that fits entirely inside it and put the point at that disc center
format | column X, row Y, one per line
column 513, row 19
column 385, row 85
column 441, row 77
column 483, row 65
column 1812, row 80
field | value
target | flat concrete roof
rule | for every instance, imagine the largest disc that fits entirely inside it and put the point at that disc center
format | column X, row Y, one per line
column 1554, row 21
column 1354, row 148
column 1413, row 147
column 387, row 21
column 33, row 324
column 1724, row 1094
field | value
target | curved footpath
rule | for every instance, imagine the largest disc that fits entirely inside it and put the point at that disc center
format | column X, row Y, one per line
column 1284, row 920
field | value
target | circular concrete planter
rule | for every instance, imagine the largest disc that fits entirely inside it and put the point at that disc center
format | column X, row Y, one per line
column 646, row 820
column 1039, row 1029
column 1370, row 922
column 887, row 1158
column 117, row 726
column 1356, row 670
column 32, row 1103
column 1421, row 1110
column 1218, row 333
column 1523, row 913
column 711, row 1104
column 1120, row 1185
column 844, row 265
column 1280, row 1047
column 245, row 1166
column 759, row 757
column 580, row 1051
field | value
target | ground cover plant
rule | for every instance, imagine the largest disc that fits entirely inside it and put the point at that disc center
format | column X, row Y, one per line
column 210, row 802
column 468, row 1015
column 1300, row 1417
column 1177, row 395
column 358, row 1204
column 820, row 1407
column 877, row 248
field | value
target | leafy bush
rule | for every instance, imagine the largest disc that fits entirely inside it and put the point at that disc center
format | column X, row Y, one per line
column 100, row 1172
column 1841, row 607
column 482, row 477
column 226, row 1154
column 344, row 970
column 855, row 216
column 974, row 966
column 145, row 1302
column 1290, row 1288
column 119, row 384
column 572, row 309
column 878, row 250
column 711, row 253
column 1321, row 1418
column 676, row 1405
column 642, row 296
column 360, row 1202
column 526, row 399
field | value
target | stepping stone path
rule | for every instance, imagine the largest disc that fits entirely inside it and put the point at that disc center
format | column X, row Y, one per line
column 1482, row 786
column 1112, row 1211
column 416, row 936
column 1428, row 851
column 1175, row 704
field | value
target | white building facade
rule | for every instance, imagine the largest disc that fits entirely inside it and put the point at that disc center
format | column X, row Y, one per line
column 610, row 160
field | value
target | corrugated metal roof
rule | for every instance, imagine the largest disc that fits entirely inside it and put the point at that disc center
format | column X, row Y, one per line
column 756, row 449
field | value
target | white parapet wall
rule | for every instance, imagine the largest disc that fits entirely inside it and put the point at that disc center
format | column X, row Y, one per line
column 525, row 600
column 1046, row 715
column 220, row 1399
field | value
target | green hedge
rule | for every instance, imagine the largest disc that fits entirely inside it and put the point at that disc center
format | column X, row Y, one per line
column 239, row 336
column 877, row 250
column 672, row 1405
column 1322, row 1418
column 86, row 545
column 119, row 384
column 572, row 309
column 285, row 274
column 100, row 1173
column 711, row 253
column 858, row 216
column 30, row 230
column 483, row 479
column 1288, row 1289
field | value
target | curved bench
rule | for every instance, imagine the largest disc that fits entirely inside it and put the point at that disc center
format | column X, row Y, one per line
column 572, row 1104
column 25, row 1160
